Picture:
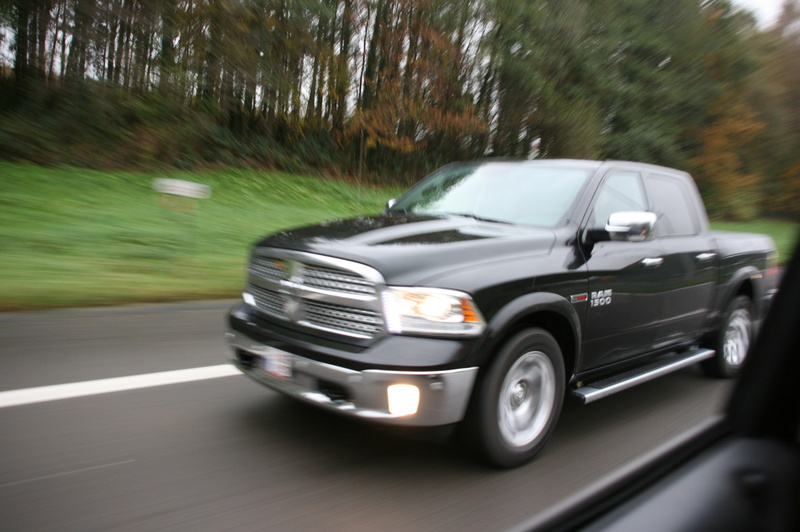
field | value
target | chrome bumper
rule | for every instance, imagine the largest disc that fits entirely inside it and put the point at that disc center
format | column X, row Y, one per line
column 443, row 394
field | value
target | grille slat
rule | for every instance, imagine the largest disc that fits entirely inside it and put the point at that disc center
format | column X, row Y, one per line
column 269, row 269
column 336, row 317
column 337, row 280
column 351, row 305
column 270, row 302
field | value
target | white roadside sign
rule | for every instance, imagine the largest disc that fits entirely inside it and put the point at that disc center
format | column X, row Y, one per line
column 177, row 187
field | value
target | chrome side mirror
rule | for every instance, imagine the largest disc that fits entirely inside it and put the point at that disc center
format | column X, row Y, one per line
column 389, row 204
column 631, row 226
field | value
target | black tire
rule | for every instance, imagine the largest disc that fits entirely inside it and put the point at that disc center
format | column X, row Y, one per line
column 519, row 400
column 732, row 341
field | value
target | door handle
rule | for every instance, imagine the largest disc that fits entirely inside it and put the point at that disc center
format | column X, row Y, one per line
column 652, row 262
column 705, row 257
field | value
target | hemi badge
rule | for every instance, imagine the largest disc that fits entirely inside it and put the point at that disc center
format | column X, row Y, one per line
column 580, row 298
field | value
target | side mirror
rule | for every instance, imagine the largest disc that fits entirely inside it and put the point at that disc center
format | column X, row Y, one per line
column 631, row 226
column 389, row 204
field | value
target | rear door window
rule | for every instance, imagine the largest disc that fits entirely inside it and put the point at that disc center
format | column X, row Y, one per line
column 673, row 204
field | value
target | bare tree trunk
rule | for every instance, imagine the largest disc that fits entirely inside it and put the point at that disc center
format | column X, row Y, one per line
column 342, row 74
column 78, row 49
column 21, row 63
column 167, row 55
column 58, row 23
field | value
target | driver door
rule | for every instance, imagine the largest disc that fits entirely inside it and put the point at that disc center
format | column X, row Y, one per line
column 625, row 303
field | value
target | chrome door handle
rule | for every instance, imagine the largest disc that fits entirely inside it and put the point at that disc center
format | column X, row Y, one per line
column 705, row 257
column 652, row 262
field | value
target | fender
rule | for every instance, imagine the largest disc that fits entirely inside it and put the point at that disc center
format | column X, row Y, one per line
column 730, row 287
column 517, row 309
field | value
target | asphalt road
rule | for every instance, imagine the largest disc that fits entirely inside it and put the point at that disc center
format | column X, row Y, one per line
column 228, row 454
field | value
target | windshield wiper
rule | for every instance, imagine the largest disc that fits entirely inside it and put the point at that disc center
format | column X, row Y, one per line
column 475, row 217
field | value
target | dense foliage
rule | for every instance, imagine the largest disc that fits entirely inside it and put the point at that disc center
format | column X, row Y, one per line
column 395, row 87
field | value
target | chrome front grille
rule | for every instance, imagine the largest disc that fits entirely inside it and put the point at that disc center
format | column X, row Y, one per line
column 317, row 292
column 344, row 319
column 269, row 301
column 271, row 269
column 337, row 280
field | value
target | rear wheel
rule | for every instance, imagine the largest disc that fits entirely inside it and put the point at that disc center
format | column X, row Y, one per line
column 733, row 340
column 520, row 399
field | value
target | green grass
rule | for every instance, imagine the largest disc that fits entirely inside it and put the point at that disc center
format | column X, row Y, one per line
column 784, row 233
column 75, row 237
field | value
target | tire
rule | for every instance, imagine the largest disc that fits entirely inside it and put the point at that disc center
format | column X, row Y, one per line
column 519, row 400
column 732, row 341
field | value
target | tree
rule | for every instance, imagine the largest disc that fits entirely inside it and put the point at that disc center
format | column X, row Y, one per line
column 732, row 187
column 300, row 83
column 782, row 111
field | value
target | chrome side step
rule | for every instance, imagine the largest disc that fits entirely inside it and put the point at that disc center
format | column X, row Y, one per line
column 603, row 388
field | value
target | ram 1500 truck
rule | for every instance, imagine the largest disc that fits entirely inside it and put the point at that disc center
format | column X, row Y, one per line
column 492, row 290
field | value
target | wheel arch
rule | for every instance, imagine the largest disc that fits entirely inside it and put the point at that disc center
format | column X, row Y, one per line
column 741, row 283
column 550, row 312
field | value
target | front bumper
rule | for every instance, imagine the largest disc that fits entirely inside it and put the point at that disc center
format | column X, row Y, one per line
column 443, row 394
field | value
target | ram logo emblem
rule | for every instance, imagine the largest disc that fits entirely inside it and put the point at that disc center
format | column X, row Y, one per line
column 601, row 298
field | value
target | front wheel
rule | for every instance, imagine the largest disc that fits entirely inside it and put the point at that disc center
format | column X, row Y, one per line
column 732, row 342
column 520, row 399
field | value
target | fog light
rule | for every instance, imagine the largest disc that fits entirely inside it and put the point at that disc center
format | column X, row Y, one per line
column 403, row 399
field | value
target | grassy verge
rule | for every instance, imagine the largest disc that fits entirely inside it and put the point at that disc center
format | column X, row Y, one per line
column 74, row 237
column 784, row 233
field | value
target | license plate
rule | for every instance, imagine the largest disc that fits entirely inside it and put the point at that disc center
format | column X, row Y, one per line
column 276, row 362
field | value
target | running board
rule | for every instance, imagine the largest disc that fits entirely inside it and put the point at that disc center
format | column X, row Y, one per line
column 603, row 388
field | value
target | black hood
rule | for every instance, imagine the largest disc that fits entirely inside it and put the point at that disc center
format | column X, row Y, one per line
column 412, row 249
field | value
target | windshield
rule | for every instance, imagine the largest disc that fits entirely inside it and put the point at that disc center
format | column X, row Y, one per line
column 516, row 193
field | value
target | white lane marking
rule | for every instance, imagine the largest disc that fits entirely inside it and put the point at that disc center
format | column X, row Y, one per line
column 118, row 384
column 45, row 477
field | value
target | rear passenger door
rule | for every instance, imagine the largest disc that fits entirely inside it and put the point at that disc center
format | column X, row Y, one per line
column 690, row 261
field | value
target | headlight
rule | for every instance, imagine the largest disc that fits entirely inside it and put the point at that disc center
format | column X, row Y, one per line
column 431, row 311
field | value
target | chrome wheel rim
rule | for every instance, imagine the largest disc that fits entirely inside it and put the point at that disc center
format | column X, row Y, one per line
column 527, row 399
column 737, row 338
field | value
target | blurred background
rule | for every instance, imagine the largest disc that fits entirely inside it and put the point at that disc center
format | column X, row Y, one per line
column 294, row 111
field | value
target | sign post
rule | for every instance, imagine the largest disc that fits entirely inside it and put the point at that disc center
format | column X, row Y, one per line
column 180, row 195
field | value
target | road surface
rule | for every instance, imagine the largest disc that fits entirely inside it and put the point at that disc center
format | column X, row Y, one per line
column 223, row 453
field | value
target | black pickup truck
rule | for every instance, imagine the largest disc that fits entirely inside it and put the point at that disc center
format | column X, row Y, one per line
column 492, row 290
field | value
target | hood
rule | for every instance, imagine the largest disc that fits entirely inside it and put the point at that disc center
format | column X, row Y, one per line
column 412, row 249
